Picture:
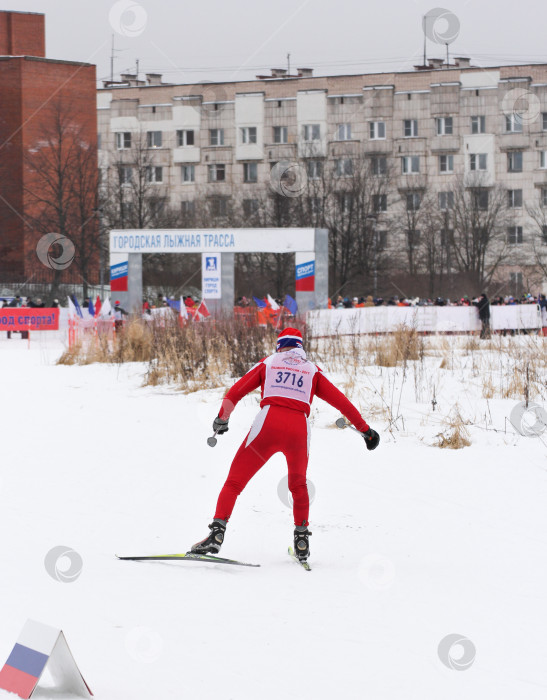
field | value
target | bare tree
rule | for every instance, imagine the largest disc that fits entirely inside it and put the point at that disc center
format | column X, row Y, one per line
column 480, row 218
column 62, row 187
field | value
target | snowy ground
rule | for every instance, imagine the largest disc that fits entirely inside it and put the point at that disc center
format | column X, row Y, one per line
column 410, row 543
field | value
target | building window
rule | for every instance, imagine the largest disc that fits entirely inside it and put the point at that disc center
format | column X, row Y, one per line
column 515, row 281
column 479, row 198
column 188, row 207
column 379, row 202
column 250, row 172
column 381, row 240
column 343, row 167
column 377, row 130
column 248, row 134
column 219, row 206
column 478, row 125
column 250, row 207
column 185, row 137
column 514, row 235
column 379, row 165
column 126, row 175
column 314, row 169
column 312, row 132
column 513, row 123
column 446, row 200
column 543, row 196
column 478, row 161
column 314, row 204
column 343, row 132
column 345, row 202
column 216, row 137
column 410, row 165
column 446, row 164
column 123, row 140
column 217, row 172
column 188, row 173
column 281, row 134
column 154, row 173
column 514, row 162
column 444, row 126
column 413, row 201
column 544, row 233
column 543, row 159
column 544, row 121
column 514, row 199
column 410, row 127
column 153, row 139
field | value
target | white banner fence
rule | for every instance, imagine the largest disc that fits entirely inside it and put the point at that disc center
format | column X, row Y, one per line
column 430, row 319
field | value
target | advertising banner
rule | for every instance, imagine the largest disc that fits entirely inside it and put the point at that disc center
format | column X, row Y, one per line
column 210, row 276
column 24, row 319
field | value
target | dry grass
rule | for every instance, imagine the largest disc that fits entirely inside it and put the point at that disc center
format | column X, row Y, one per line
column 400, row 347
column 456, row 435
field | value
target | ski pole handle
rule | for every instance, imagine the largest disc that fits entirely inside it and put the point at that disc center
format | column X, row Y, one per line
column 342, row 423
column 212, row 441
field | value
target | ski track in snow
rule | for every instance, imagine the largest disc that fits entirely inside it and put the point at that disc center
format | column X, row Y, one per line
column 410, row 543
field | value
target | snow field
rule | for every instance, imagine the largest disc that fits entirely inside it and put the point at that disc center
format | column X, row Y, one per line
column 410, row 543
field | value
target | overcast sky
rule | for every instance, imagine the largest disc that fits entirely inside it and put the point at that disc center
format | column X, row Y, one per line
column 236, row 39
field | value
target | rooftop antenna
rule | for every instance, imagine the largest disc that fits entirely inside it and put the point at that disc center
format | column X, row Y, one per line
column 112, row 61
column 424, row 21
column 288, row 65
column 447, row 56
column 137, row 69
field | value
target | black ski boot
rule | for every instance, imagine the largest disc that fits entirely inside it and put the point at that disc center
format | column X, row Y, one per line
column 302, row 542
column 213, row 543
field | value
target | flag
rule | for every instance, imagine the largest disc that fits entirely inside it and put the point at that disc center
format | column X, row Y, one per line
column 174, row 304
column 274, row 306
column 261, row 304
column 71, row 308
column 91, row 309
column 76, row 305
column 98, row 306
column 202, row 310
column 290, row 304
column 183, row 310
column 106, row 308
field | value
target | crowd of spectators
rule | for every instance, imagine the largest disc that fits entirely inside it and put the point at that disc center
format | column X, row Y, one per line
column 363, row 302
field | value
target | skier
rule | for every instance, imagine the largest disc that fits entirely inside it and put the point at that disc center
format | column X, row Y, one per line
column 288, row 383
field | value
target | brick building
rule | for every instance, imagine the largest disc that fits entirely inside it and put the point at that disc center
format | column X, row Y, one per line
column 42, row 99
column 221, row 140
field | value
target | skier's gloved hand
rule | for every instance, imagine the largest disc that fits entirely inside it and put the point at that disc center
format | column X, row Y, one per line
column 220, row 426
column 372, row 439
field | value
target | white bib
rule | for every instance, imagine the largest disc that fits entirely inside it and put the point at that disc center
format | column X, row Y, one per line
column 290, row 375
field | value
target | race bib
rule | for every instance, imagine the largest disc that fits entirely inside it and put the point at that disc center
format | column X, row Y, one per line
column 290, row 375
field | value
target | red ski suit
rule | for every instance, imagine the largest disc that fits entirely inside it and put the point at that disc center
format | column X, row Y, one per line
column 288, row 383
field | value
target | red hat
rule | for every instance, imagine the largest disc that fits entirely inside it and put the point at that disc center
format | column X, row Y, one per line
column 289, row 338
column 116, row 302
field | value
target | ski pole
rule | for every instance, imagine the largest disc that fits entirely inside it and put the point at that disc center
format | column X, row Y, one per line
column 212, row 441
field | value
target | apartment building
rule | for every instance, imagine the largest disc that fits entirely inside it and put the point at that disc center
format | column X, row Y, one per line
column 436, row 123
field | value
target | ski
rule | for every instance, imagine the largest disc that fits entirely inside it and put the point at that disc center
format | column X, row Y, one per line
column 187, row 556
column 303, row 563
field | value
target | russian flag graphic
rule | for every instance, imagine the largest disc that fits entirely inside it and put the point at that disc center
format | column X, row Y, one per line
column 22, row 670
column 305, row 277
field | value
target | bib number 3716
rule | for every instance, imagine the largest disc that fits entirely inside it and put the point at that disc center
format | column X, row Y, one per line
column 289, row 378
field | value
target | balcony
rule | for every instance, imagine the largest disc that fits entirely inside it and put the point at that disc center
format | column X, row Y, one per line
column 339, row 149
column 186, row 154
column 415, row 146
column 513, row 142
column 280, row 151
column 445, row 144
column 380, row 147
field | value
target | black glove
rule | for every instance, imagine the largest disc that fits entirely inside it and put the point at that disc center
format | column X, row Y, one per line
column 372, row 439
column 220, row 426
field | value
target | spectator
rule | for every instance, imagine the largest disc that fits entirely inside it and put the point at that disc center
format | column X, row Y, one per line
column 483, row 306
column 119, row 313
